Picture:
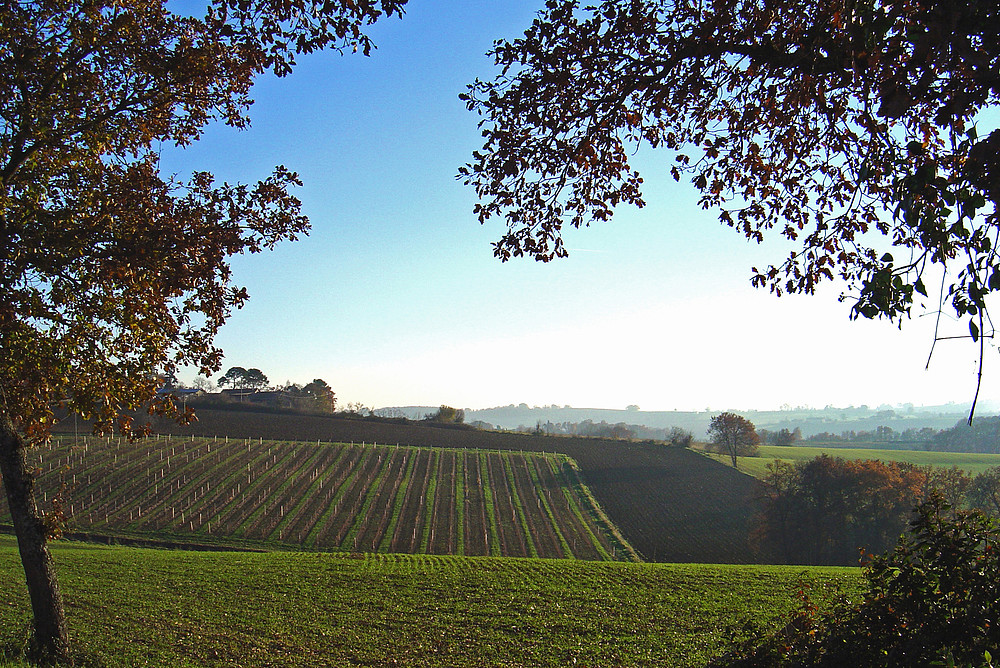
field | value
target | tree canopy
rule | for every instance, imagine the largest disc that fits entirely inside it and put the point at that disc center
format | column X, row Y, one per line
column 235, row 377
column 112, row 274
column 852, row 129
column 322, row 394
column 446, row 415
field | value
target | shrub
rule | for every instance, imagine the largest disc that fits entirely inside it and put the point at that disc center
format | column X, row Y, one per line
column 930, row 601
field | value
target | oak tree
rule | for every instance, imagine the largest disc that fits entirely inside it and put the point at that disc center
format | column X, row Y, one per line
column 733, row 435
column 851, row 129
column 112, row 274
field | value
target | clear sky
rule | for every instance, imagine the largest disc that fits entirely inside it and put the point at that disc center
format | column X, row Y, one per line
column 395, row 297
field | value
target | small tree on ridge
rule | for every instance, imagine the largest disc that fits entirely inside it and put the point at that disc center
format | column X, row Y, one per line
column 733, row 435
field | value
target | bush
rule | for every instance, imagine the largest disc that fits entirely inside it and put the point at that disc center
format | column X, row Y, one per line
column 930, row 601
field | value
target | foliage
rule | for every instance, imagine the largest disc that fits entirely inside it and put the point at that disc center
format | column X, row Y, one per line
column 110, row 271
column 322, row 394
column 952, row 483
column 846, row 128
column 680, row 438
column 783, row 436
column 984, row 492
column 733, row 435
column 824, row 510
column 930, row 601
column 447, row 415
column 255, row 379
column 981, row 436
column 235, row 377
column 299, row 609
column 239, row 378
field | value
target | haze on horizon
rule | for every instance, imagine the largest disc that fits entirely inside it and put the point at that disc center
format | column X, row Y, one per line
column 395, row 299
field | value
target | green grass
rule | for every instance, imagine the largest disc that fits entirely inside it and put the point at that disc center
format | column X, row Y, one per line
column 971, row 462
column 136, row 607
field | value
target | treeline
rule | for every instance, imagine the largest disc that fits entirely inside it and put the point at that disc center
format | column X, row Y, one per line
column 983, row 435
column 617, row 430
column 881, row 434
column 823, row 511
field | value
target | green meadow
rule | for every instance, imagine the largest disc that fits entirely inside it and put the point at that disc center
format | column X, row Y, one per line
column 972, row 463
column 142, row 607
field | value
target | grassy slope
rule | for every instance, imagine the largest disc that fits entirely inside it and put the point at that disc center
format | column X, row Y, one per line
column 671, row 504
column 135, row 607
column 972, row 463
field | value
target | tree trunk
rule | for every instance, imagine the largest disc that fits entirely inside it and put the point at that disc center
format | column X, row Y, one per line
column 50, row 640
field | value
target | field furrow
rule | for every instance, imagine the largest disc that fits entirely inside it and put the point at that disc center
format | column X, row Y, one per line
column 443, row 534
column 512, row 538
column 477, row 524
column 406, row 536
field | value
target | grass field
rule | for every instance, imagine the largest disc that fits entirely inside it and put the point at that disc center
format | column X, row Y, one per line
column 971, row 462
column 138, row 607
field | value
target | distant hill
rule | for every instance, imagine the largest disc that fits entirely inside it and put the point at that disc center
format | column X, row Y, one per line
column 809, row 420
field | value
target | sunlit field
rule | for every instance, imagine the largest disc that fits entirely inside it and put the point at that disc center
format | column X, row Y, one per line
column 971, row 462
column 140, row 607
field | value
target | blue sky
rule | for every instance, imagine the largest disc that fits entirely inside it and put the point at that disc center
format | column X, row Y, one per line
column 395, row 297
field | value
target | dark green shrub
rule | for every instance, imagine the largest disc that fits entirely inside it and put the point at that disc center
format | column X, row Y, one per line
column 933, row 600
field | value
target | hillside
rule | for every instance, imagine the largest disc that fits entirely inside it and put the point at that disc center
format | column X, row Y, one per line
column 672, row 505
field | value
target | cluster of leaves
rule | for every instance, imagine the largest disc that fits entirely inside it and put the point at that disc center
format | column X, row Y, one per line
column 845, row 127
column 110, row 272
column 679, row 437
column 239, row 378
column 930, row 601
column 446, row 415
column 984, row 491
column 982, row 436
column 783, row 436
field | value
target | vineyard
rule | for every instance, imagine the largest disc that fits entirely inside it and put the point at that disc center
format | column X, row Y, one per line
column 671, row 504
column 327, row 496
